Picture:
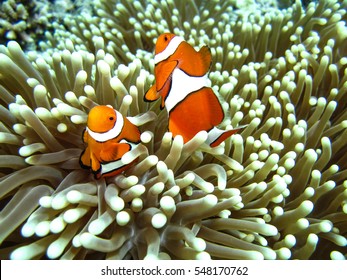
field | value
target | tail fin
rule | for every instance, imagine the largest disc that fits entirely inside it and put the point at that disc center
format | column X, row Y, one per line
column 217, row 136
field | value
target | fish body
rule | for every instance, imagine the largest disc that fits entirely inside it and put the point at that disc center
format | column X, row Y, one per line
column 183, row 86
column 108, row 136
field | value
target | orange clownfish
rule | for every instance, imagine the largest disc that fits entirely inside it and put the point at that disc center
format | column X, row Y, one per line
column 182, row 83
column 108, row 136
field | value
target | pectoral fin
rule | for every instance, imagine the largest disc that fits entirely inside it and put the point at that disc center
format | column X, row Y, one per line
column 163, row 72
column 85, row 158
column 151, row 94
column 114, row 151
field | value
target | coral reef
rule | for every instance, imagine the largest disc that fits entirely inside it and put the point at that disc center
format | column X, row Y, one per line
column 277, row 190
column 26, row 21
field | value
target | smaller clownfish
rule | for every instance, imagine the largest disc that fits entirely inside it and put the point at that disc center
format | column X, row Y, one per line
column 182, row 83
column 108, row 135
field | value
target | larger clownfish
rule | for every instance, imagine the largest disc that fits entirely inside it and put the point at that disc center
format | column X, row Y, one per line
column 182, row 83
column 108, row 135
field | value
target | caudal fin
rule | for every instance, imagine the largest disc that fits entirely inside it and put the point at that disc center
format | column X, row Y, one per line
column 217, row 136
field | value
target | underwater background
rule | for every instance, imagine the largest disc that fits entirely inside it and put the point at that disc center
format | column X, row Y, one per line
column 276, row 190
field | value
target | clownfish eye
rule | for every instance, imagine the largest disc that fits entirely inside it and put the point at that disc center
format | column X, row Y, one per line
column 110, row 118
column 165, row 38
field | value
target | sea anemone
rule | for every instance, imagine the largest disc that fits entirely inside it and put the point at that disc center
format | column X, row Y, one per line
column 277, row 190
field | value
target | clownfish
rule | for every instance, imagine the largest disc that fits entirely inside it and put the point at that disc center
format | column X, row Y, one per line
column 108, row 136
column 182, row 83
